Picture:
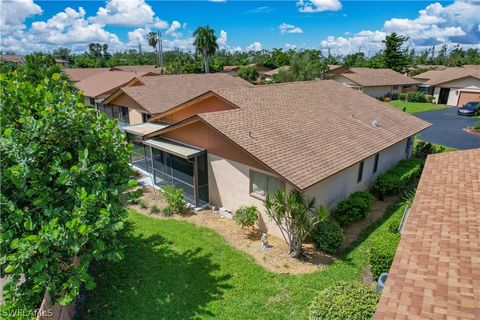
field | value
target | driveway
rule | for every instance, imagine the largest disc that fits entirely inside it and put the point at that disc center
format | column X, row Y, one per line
column 447, row 129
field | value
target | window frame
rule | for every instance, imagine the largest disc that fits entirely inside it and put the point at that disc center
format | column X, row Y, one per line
column 360, row 171
column 268, row 176
column 395, row 87
column 375, row 162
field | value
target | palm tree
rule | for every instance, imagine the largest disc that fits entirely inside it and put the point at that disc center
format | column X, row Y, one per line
column 152, row 39
column 205, row 43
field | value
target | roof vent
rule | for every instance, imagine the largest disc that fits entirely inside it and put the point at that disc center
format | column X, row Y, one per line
column 376, row 123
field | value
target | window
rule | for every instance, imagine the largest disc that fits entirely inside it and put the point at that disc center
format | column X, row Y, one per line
column 407, row 86
column 360, row 172
column 121, row 114
column 375, row 164
column 394, row 87
column 145, row 117
column 262, row 184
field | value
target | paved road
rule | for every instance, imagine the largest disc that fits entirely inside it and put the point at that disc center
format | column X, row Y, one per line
column 447, row 129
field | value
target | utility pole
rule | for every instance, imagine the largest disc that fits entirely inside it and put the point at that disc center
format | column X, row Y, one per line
column 139, row 49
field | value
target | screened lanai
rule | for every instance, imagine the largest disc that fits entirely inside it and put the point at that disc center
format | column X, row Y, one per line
column 170, row 162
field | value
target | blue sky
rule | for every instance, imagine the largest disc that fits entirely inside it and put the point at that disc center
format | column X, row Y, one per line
column 342, row 26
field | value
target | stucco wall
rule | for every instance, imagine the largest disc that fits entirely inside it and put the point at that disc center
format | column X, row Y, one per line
column 229, row 182
column 381, row 91
column 332, row 190
column 458, row 84
column 229, row 187
column 436, row 94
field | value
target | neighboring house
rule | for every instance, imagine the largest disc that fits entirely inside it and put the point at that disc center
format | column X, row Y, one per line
column 101, row 85
column 143, row 68
column 63, row 63
column 318, row 137
column 79, row 74
column 233, row 70
column 376, row 83
column 21, row 59
column 450, row 86
column 154, row 95
column 268, row 75
column 436, row 271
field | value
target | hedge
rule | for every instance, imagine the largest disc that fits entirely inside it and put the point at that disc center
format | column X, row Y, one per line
column 416, row 96
column 354, row 208
column 353, row 301
column 397, row 179
column 328, row 236
column 382, row 252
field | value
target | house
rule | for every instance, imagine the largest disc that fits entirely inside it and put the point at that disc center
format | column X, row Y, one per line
column 79, row 74
column 451, row 85
column 21, row 59
column 268, row 75
column 63, row 63
column 142, row 68
column 233, row 70
column 436, row 271
column 153, row 95
column 230, row 147
column 101, row 85
column 377, row 83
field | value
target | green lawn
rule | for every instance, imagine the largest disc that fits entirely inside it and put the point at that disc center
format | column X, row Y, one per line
column 437, row 146
column 176, row 270
column 415, row 107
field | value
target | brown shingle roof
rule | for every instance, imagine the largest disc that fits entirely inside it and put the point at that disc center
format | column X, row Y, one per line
column 145, row 68
column 276, row 71
column 436, row 77
column 367, row 77
column 159, row 94
column 436, row 271
column 79, row 74
column 104, row 82
column 307, row 131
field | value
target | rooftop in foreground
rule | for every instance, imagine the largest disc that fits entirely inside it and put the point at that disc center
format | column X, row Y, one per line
column 436, row 271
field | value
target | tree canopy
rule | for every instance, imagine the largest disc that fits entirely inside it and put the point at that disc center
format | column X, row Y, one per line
column 205, row 43
column 65, row 174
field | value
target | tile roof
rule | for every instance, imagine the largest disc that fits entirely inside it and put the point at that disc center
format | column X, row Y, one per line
column 79, row 74
column 102, row 83
column 436, row 271
column 307, row 131
column 368, row 77
column 436, row 77
column 144, row 68
column 275, row 71
column 160, row 94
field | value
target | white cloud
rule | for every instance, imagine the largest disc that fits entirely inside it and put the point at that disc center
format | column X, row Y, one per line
column 289, row 28
column 456, row 23
column 290, row 46
column 14, row 12
column 172, row 30
column 124, row 13
column 217, row 0
column 255, row 46
column 318, row 5
column 222, row 40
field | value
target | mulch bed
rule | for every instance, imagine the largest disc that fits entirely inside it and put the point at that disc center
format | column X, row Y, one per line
column 472, row 131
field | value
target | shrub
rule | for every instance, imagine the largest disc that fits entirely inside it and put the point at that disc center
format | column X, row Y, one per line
column 354, row 208
column 65, row 179
column 154, row 209
column 248, row 73
column 382, row 252
column 142, row 204
column 423, row 149
column 430, row 98
column 402, row 96
column 416, row 96
column 175, row 201
column 397, row 179
column 394, row 224
column 328, row 236
column 344, row 300
column 477, row 126
column 246, row 216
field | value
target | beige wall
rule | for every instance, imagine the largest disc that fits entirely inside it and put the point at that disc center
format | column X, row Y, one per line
column 135, row 116
column 229, row 187
column 381, row 91
column 332, row 190
column 458, row 84
column 229, row 182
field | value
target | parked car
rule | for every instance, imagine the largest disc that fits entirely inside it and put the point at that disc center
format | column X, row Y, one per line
column 471, row 108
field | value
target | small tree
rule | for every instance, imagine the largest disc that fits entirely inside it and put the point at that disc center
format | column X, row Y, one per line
column 295, row 216
column 246, row 216
column 175, row 201
column 395, row 57
column 249, row 73
column 205, row 43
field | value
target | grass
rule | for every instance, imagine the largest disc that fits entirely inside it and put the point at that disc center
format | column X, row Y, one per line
column 176, row 270
column 415, row 107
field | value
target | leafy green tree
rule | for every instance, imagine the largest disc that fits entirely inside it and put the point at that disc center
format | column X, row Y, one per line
column 248, row 73
column 355, row 60
column 295, row 216
column 395, row 57
column 205, row 43
column 305, row 65
column 65, row 176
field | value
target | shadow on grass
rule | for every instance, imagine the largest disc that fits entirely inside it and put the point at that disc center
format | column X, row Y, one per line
column 154, row 281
